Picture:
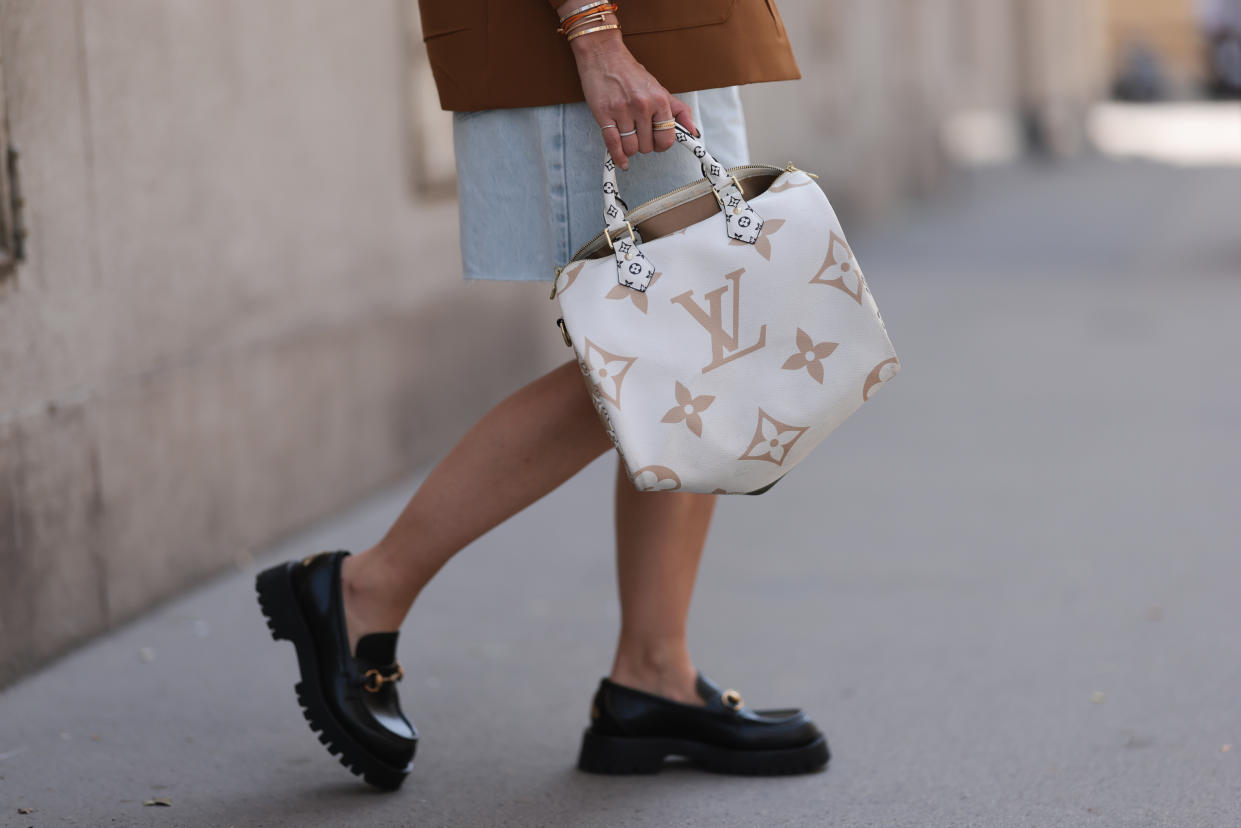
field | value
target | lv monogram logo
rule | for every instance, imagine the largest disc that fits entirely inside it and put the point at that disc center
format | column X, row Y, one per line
column 712, row 319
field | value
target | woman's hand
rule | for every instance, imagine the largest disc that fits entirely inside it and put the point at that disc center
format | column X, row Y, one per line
column 620, row 91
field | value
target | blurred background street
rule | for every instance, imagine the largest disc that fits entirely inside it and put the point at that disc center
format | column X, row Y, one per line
column 1007, row 588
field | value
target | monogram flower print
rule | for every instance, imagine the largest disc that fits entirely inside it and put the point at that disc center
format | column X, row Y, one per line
column 568, row 275
column 772, row 439
column 633, row 268
column 607, row 371
column 881, row 373
column 688, row 409
column 656, row 479
column 810, row 355
column 788, row 184
column 763, row 243
column 619, row 291
column 840, row 269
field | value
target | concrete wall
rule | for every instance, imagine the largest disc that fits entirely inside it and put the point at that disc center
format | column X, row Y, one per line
column 233, row 315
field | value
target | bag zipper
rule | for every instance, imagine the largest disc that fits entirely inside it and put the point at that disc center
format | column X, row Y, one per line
column 731, row 170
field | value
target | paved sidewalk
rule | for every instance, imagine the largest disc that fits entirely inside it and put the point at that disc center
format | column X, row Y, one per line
column 1007, row 588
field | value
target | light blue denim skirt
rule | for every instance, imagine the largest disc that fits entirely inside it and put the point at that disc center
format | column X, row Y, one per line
column 529, row 179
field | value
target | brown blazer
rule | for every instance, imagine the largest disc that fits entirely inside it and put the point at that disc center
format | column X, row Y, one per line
column 490, row 54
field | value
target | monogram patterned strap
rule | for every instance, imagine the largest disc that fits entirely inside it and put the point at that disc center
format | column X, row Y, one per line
column 633, row 269
column 742, row 222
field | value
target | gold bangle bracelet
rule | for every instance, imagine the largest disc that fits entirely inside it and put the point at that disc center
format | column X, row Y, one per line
column 596, row 4
column 601, row 17
column 580, row 32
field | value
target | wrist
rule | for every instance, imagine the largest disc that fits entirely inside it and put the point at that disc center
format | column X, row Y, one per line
column 589, row 26
column 608, row 41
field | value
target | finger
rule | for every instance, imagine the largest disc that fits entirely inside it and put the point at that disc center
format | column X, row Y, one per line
column 684, row 115
column 611, row 140
column 629, row 143
column 665, row 137
column 646, row 142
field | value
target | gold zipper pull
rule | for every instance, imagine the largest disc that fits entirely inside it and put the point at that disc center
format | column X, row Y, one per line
column 555, row 282
column 790, row 168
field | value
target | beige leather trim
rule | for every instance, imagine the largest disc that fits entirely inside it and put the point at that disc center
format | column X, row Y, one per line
column 681, row 210
column 692, row 212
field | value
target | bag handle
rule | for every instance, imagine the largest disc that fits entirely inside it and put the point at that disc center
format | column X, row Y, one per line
column 633, row 269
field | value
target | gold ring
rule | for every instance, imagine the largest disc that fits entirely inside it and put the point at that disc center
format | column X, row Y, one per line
column 668, row 124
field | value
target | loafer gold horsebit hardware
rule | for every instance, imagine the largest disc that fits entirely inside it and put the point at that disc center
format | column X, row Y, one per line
column 373, row 680
column 731, row 699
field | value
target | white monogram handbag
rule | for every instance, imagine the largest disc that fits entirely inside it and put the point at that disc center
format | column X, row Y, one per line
column 724, row 329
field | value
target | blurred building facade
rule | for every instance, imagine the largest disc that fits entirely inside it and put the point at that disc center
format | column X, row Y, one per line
column 1169, row 31
column 231, row 300
column 896, row 89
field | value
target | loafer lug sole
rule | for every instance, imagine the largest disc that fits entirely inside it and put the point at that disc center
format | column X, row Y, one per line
column 284, row 619
column 621, row 755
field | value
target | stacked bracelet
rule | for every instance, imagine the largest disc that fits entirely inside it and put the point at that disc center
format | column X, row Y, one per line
column 580, row 21
column 594, row 6
column 579, row 32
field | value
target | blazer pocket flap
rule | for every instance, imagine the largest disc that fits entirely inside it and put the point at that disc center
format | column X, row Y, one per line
column 638, row 16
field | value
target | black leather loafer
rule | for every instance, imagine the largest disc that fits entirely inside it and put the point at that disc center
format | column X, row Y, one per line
column 632, row 731
column 350, row 699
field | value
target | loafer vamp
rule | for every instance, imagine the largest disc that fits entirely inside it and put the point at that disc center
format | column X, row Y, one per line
column 375, row 719
column 636, row 714
column 777, row 713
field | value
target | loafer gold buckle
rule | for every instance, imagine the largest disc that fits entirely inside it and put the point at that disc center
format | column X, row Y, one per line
column 731, row 699
column 373, row 680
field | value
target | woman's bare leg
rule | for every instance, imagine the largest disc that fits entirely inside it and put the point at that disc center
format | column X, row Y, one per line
column 659, row 541
column 527, row 445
